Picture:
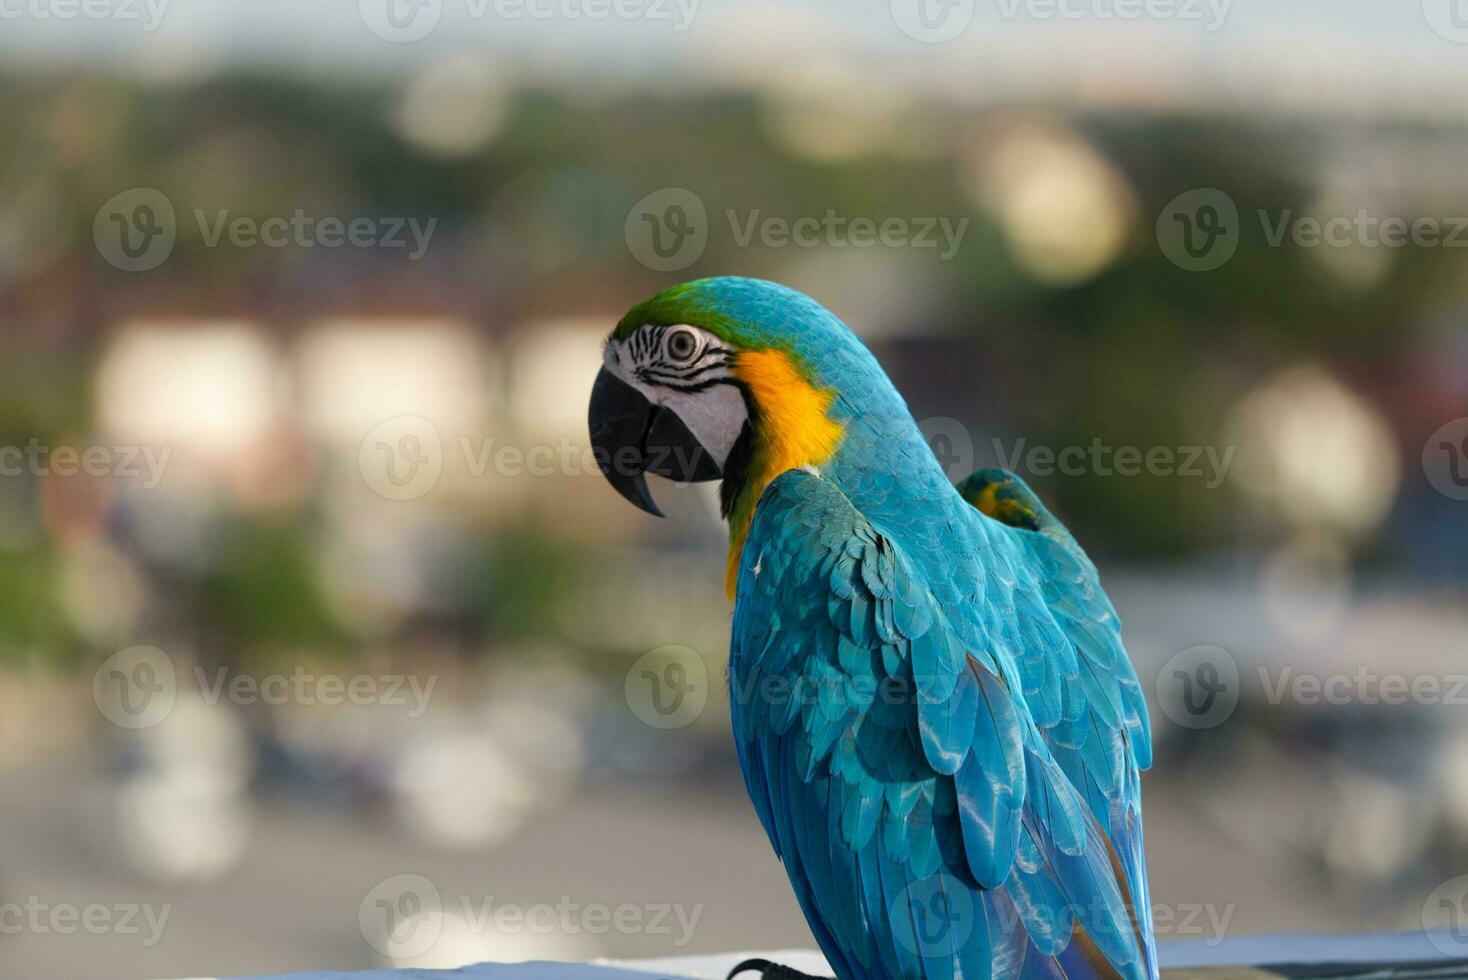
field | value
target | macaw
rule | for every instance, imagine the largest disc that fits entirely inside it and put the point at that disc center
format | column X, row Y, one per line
column 935, row 718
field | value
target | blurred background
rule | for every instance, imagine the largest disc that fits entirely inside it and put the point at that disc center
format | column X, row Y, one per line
column 306, row 583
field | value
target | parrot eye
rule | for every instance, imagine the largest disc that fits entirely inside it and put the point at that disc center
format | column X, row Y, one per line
column 681, row 345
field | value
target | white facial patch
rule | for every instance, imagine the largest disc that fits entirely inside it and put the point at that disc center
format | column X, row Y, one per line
column 715, row 416
column 697, row 388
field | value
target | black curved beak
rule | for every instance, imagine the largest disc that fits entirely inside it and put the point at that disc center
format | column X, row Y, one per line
column 631, row 437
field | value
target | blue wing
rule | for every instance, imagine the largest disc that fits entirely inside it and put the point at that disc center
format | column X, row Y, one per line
column 943, row 809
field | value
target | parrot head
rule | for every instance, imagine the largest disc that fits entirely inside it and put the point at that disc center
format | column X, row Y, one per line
column 730, row 379
column 703, row 380
column 667, row 402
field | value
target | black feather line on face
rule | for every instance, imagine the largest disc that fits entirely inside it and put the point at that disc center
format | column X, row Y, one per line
column 701, row 364
column 652, row 375
column 705, row 369
column 736, row 467
column 701, row 385
column 637, row 344
column 651, row 340
column 659, row 371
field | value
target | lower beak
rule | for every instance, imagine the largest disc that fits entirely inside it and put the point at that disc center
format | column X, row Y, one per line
column 631, row 437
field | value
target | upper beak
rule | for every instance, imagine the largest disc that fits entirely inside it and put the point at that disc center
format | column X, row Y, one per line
column 631, row 437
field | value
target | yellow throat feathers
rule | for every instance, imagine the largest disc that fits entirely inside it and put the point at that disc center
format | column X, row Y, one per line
column 793, row 430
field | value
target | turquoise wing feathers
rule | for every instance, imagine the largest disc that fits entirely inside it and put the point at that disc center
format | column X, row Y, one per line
column 943, row 807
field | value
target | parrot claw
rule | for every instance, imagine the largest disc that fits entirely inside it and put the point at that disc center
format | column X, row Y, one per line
column 771, row 971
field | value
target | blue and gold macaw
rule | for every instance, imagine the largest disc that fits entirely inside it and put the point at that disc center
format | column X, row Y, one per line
column 936, row 720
